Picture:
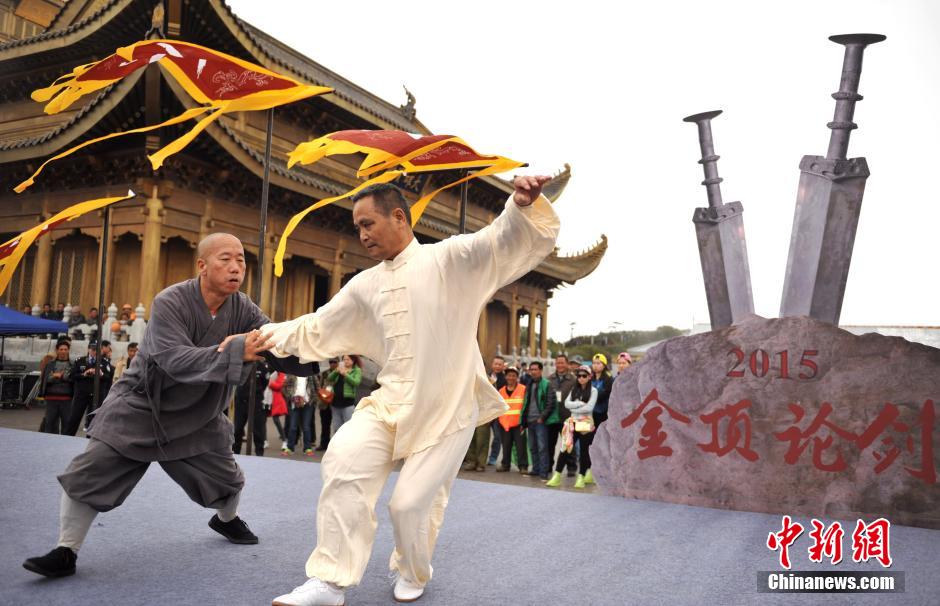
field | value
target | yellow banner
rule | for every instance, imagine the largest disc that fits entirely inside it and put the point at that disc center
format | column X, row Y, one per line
column 13, row 251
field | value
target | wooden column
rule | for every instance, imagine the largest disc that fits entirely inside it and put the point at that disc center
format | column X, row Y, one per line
column 207, row 222
column 336, row 279
column 174, row 18
column 543, row 330
column 150, row 250
column 311, row 302
column 42, row 270
column 483, row 331
column 338, row 270
column 531, row 344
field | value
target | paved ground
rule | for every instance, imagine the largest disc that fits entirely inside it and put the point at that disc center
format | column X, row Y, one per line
column 29, row 419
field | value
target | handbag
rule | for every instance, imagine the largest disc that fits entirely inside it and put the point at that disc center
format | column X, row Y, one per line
column 584, row 425
column 326, row 394
column 567, row 435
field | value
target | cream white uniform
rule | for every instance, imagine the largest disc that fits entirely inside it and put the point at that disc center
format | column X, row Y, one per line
column 417, row 316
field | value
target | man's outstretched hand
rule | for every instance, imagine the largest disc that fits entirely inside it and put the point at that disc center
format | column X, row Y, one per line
column 255, row 343
column 528, row 189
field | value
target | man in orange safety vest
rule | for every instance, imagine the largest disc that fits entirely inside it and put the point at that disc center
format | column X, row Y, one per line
column 514, row 394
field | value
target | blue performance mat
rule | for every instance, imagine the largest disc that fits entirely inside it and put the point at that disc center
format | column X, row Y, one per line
column 499, row 545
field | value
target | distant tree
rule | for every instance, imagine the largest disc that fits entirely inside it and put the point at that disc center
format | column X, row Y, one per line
column 612, row 343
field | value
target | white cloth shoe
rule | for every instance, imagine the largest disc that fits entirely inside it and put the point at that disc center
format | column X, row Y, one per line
column 313, row 593
column 406, row 591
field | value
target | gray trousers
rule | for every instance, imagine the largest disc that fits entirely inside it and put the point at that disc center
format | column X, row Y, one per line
column 341, row 416
column 102, row 478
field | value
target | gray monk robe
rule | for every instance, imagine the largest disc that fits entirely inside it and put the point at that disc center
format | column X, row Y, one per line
column 169, row 405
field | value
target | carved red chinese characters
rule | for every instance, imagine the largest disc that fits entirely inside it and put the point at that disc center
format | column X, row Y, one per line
column 652, row 439
column 820, row 444
column 737, row 430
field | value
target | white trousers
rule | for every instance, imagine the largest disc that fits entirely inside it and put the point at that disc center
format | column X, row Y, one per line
column 354, row 470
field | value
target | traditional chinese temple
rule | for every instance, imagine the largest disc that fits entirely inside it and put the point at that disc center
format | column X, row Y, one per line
column 215, row 183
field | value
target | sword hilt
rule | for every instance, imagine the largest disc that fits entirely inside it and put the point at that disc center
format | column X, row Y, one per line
column 709, row 160
column 847, row 95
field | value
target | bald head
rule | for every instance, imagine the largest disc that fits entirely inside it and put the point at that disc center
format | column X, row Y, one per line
column 213, row 242
column 220, row 259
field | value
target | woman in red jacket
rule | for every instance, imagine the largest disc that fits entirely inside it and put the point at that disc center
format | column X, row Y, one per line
column 278, row 406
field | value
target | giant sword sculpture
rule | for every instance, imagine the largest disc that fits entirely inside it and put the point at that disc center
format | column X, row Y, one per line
column 722, row 248
column 828, row 203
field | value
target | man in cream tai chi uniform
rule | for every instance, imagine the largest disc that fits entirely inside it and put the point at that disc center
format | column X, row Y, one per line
column 416, row 313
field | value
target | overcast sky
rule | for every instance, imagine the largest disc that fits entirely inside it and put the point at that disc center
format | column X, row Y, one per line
column 604, row 87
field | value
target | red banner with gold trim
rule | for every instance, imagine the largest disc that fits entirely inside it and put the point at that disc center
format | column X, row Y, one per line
column 388, row 149
column 220, row 82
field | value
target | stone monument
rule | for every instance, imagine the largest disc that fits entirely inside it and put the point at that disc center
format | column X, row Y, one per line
column 790, row 416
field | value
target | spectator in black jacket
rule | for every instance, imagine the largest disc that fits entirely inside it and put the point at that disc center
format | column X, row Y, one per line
column 603, row 383
column 83, row 376
column 107, row 378
column 260, row 422
column 56, row 389
column 47, row 313
column 561, row 381
column 326, row 408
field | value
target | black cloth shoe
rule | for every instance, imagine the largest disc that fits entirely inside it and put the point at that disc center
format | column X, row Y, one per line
column 60, row 562
column 235, row 530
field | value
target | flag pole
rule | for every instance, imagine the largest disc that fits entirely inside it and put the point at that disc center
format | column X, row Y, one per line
column 103, row 268
column 256, row 294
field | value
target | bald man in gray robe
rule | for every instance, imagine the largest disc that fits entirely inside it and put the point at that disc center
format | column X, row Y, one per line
column 169, row 406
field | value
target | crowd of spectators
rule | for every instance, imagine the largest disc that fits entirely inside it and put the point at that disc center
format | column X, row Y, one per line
column 76, row 319
column 549, row 428
column 292, row 402
column 67, row 385
column 551, row 420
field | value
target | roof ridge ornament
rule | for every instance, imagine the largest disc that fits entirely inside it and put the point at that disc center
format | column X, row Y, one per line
column 156, row 22
column 554, row 188
column 408, row 109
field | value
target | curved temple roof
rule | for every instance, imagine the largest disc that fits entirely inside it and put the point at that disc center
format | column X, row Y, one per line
column 80, row 19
